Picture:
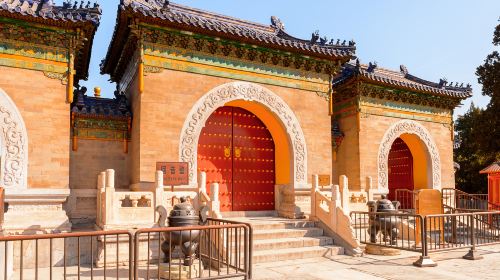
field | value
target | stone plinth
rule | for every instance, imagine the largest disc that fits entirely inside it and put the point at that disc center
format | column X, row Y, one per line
column 32, row 211
column 173, row 271
column 381, row 251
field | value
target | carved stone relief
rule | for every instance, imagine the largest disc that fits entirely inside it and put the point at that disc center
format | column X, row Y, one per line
column 14, row 145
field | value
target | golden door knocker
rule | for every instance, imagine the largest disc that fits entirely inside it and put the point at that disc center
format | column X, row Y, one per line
column 227, row 151
column 237, row 152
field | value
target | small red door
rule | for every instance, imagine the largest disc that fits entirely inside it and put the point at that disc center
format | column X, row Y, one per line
column 236, row 150
column 400, row 168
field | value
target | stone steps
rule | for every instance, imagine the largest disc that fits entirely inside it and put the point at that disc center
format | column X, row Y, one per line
column 282, row 225
column 285, row 243
column 296, row 253
column 286, row 233
column 278, row 239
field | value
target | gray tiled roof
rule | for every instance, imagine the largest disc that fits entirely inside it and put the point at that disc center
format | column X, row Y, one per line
column 84, row 105
column 46, row 9
column 273, row 34
column 401, row 79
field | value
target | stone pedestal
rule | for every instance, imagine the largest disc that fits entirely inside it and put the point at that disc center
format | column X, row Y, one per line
column 32, row 211
column 182, row 272
column 381, row 251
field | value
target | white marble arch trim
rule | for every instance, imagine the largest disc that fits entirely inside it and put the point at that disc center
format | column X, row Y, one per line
column 225, row 93
column 395, row 131
column 14, row 145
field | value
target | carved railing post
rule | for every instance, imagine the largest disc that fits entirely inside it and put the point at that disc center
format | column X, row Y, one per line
column 335, row 204
column 344, row 186
column 110, row 193
column 202, row 182
column 214, row 203
column 369, row 187
column 314, row 189
column 159, row 193
column 101, row 200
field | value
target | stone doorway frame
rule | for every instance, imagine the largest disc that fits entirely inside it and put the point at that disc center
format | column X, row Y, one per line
column 413, row 128
column 218, row 97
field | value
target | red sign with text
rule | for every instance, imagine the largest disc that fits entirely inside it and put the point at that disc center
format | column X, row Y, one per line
column 174, row 173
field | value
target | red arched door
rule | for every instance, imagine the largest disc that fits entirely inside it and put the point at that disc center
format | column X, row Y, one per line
column 400, row 168
column 236, row 150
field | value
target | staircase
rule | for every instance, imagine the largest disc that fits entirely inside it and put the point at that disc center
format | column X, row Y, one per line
column 279, row 239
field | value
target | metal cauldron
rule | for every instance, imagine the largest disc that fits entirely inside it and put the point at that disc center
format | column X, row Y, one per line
column 182, row 215
column 388, row 225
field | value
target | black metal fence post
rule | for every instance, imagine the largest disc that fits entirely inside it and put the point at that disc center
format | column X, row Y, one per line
column 424, row 260
column 472, row 254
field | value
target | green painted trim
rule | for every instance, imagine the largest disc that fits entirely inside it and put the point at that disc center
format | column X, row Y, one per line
column 242, row 77
column 219, row 61
column 33, row 65
column 411, row 108
column 449, row 102
column 403, row 116
column 105, row 129
column 33, row 51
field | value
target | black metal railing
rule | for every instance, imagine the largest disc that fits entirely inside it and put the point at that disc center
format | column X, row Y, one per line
column 224, row 251
column 458, row 199
column 404, row 223
column 406, row 199
column 67, row 255
column 432, row 233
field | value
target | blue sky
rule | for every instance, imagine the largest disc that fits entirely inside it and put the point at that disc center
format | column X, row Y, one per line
column 432, row 38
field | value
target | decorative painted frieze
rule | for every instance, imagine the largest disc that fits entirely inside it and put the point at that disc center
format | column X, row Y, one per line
column 95, row 118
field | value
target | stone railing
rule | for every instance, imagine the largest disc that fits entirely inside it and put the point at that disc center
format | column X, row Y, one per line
column 117, row 208
column 333, row 214
column 204, row 200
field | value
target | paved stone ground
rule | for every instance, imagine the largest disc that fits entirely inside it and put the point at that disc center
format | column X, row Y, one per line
column 450, row 266
column 369, row 267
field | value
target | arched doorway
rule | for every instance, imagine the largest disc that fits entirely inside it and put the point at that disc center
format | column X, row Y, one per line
column 291, row 147
column 400, row 168
column 426, row 159
column 236, row 150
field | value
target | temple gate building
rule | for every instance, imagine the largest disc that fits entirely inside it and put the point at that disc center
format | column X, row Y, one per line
column 253, row 110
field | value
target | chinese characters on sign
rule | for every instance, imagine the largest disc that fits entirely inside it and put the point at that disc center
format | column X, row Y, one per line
column 174, row 173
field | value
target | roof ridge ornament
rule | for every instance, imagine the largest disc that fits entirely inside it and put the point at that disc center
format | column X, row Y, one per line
column 443, row 82
column 403, row 69
column 165, row 5
column 276, row 23
column 315, row 37
column 371, row 67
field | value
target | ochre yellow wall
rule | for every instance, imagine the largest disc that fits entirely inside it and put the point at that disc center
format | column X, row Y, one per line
column 42, row 104
column 169, row 96
column 347, row 160
column 372, row 130
column 364, row 126
column 281, row 142
column 93, row 157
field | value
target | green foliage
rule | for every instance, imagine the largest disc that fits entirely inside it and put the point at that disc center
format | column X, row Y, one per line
column 468, row 155
column 479, row 130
